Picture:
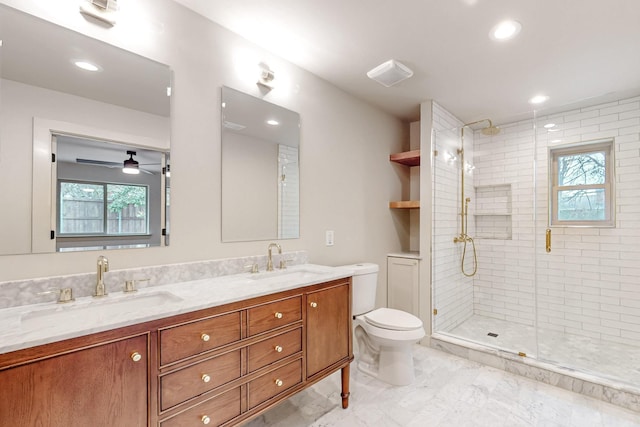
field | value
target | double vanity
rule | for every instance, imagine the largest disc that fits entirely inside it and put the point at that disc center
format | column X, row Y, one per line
column 214, row 351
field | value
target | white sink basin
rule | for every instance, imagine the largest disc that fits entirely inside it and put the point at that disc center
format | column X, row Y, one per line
column 95, row 309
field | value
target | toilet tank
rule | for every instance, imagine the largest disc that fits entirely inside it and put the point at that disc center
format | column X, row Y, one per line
column 365, row 282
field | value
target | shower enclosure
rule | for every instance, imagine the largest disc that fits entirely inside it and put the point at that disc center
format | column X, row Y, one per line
column 559, row 291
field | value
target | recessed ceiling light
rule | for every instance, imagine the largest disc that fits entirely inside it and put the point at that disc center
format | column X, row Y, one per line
column 549, row 125
column 505, row 30
column 538, row 99
column 273, row 122
column 85, row 65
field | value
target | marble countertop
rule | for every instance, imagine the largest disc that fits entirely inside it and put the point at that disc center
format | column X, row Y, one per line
column 36, row 324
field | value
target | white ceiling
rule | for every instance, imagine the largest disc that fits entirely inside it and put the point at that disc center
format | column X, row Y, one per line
column 574, row 51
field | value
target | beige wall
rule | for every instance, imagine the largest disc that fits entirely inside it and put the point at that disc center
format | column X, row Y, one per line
column 346, row 179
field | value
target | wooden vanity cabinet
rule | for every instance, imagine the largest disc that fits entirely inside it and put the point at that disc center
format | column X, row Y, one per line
column 104, row 385
column 217, row 367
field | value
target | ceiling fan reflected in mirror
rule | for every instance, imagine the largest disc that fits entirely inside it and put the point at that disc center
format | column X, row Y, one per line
column 129, row 166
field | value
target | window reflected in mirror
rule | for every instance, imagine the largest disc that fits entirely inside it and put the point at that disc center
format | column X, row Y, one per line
column 100, row 203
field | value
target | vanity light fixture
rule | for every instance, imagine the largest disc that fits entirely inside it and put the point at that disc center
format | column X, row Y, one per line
column 505, row 30
column 103, row 10
column 390, row 73
column 130, row 165
column 266, row 77
column 86, row 65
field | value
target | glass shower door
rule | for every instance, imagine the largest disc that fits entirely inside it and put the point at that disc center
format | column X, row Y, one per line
column 495, row 306
column 587, row 261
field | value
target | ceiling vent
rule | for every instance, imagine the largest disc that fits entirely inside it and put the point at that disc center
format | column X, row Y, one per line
column 390, row 73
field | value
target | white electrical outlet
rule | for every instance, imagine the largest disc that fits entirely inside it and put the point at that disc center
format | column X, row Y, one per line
column 328, row 237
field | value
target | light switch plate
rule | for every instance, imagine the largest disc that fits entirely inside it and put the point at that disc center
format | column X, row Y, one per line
column 328, row 237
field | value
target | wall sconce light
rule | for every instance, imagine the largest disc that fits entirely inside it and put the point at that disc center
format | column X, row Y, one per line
column 266, row 77
column 468, row 167
column 102, row 10
column 131, row 166
column 449, row 158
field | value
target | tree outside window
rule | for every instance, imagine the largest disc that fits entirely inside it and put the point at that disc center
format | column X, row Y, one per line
column 101, row 208
column 582, row 185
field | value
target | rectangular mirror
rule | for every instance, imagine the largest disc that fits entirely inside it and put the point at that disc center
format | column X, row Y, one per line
column 260, row 169
column 45, row 98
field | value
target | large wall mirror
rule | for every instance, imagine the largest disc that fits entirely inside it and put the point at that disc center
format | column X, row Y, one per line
column 71, row 110
column 260, row 169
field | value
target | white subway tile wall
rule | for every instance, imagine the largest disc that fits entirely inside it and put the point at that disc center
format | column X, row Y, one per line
column 288, row 193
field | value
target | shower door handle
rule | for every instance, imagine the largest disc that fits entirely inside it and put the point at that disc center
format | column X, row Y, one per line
column 548, row 240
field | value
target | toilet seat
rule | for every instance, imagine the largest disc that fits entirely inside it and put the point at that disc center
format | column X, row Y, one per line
column 395, row 320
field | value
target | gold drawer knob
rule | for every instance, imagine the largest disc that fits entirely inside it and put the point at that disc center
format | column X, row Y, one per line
column 205, row 419
column 278, row 315
column 136, row 357
column 279, row 382
column 205, row 337
column 205, row 378
column 278, row 349
column 313, row 304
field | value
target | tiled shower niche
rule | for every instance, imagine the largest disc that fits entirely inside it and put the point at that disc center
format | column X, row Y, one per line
column 493, row 212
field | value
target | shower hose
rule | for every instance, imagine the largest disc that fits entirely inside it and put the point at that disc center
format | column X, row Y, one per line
column 466, row 240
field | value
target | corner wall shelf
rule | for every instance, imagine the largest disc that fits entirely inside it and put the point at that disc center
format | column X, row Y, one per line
column 407, row 158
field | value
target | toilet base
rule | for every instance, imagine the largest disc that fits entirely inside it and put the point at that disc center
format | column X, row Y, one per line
column 396, row 366
column 391, row 364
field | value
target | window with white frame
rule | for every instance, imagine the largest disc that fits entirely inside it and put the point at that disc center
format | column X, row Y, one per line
column 96, row 208
column 582, row 185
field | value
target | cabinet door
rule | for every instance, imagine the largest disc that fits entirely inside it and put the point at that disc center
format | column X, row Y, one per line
column 403, row 280
column 103, row 386
column 328, row 327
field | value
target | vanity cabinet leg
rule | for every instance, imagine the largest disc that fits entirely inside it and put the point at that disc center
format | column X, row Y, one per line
column 345, row 387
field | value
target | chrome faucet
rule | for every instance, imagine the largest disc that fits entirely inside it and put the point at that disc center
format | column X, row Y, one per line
column 103, row 267
column 269, row 259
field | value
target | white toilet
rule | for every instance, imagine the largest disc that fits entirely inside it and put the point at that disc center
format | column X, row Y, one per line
column 384, row 336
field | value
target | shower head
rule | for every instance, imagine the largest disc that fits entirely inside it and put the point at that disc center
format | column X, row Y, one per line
column 490, row 130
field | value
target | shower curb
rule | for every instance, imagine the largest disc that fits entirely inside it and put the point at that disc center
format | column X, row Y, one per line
column 625, row 396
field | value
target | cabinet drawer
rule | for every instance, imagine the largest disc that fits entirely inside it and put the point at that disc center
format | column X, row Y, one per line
column 194, row 338
column 213, row 412
column 273, row 349
column 274, row 315
column 192, row 381
column 273, row 383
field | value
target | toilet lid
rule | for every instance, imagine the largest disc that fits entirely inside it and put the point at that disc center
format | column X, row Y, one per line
column 389, row 318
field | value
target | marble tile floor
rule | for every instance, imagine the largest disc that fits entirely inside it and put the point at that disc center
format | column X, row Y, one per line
column 449, row 391
column 615, row 361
